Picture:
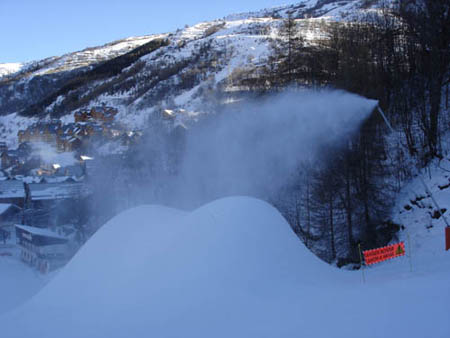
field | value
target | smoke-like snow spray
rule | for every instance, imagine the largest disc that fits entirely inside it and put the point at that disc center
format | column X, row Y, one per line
column 253, row 148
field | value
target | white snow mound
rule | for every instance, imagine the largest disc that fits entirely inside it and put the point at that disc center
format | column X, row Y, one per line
column 232, row 268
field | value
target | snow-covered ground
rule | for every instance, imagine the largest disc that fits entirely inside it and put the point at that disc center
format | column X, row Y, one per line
column 18, row 283
column 232, row 268
column 416, row 211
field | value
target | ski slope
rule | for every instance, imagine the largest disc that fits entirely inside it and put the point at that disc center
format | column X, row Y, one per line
column 232, row 268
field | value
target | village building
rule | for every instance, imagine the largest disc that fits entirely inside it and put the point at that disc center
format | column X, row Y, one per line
column 104, row 113
column 82, row 116
column 18, row 157
column 38, row 195
column 98, row 113
column 42, row 248
column 43, row 194
column 91, row 124
column 10, row 214
column 68, row 143
column 41, row 132
column 12, row 192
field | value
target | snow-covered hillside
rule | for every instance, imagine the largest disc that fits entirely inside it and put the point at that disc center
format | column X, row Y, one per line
column 417, row 213
column 330, row 9
column 232, row 268
column 9, row 68
column 192, row 68
column 67, row 62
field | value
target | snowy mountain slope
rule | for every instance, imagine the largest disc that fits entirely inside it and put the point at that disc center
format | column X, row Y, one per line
column 36, row 80
column 194, row 68
column 94, row 55
column 332, row 9
column 87, row 57
column 232, row 268
column 9, row 68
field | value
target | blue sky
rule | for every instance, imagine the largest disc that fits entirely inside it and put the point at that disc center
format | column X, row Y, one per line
column 35, row 29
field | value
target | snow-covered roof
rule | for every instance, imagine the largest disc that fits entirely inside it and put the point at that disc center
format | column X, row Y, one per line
column 4, row 207
column 11, row 189
column 39, row 231
column 50, row 191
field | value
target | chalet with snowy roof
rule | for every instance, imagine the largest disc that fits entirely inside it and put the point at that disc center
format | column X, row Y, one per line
column 42, row 248
column 82, row 116
column 12, row 192
column 98, row 113
column 43, row 194
column 68, row 129
column 104, row 113
column 68, row 143
column 41, row 132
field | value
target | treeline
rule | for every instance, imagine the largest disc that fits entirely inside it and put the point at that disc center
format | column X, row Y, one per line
column 399, row 56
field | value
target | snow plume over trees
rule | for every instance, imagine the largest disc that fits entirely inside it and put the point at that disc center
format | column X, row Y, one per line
column 255, row 147
column 313, row 154
column 399, row 54
column 300, row 150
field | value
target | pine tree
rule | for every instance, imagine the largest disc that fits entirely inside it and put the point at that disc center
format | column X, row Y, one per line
column 287, row 49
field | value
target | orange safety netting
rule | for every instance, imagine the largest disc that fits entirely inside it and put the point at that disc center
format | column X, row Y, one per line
column 384, row 253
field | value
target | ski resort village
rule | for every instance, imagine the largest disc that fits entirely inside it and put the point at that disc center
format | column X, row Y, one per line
column 281, row 172
column 45, row 184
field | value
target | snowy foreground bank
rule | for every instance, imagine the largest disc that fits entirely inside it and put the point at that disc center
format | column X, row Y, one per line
column 232, row 268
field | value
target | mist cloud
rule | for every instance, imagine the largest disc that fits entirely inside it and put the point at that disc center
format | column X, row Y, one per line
column 253, row 149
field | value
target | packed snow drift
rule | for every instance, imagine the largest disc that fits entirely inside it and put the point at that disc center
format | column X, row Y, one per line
column 18, row 283
column 232, row 268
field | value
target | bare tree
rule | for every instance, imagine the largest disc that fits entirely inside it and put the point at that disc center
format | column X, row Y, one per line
column 428, row 28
